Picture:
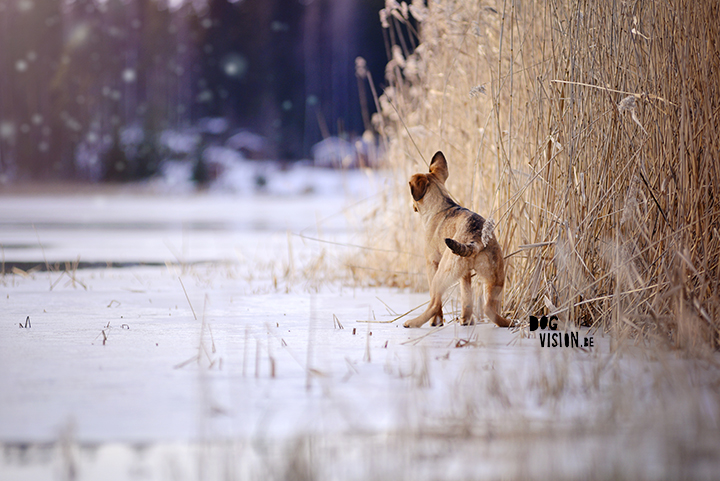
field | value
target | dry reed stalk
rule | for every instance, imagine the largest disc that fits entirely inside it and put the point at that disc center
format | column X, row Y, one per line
column 596, row 144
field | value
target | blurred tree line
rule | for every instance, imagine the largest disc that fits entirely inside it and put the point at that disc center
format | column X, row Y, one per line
column 88, row 86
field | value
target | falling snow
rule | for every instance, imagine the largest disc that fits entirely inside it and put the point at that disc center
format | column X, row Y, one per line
column 129, row 75
column 234, row 65
column 7, row 130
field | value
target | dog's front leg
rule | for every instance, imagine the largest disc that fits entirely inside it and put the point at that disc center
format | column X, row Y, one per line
column 440, row 282
column 431, row 268
column 434, row 311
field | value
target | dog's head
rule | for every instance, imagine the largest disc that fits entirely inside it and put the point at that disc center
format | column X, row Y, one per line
column 420, row 183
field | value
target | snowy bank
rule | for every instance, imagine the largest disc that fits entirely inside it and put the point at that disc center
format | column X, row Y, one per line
column 232, row 345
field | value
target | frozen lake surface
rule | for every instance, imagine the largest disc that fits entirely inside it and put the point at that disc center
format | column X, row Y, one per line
column 215, row 336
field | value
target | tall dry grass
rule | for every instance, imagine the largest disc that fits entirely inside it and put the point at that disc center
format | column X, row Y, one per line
column 588, row 131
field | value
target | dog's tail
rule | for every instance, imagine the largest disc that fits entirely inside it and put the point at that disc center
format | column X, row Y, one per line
column 463, row 250
column 472, row 248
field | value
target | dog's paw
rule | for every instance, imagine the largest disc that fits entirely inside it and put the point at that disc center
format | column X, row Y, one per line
column 467, row 322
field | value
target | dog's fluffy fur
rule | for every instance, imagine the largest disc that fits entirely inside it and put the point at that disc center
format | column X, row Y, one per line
column 458, row 242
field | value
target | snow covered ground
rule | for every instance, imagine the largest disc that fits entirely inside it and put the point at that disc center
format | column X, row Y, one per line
column 209, row 336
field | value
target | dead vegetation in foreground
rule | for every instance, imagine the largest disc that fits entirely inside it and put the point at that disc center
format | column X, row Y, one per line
column 589, row 132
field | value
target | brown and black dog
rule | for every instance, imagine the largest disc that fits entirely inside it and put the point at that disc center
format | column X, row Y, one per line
column 458, row 242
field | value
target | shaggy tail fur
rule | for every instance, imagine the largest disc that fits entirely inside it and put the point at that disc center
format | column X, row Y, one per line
column 472, row 248
column 487, row 231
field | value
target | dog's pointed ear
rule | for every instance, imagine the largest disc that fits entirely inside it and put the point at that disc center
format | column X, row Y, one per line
column 439, row 166
column 418, row 186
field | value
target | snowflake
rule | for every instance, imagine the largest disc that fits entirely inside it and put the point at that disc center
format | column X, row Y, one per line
column 129, row 75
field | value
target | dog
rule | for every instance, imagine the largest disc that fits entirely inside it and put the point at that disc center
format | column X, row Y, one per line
column 457, row 242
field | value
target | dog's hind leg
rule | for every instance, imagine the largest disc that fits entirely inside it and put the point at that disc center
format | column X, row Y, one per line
column 466, row 300
column 493, row 293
